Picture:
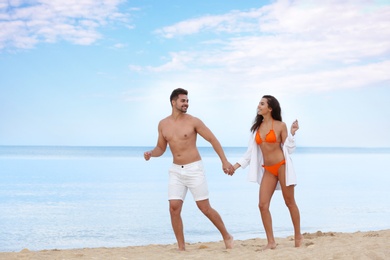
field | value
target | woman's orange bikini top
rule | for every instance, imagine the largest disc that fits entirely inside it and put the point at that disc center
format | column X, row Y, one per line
column 269, row 138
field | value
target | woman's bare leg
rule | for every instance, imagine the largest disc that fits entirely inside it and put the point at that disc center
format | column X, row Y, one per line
column 267, row 188
column 289, row 199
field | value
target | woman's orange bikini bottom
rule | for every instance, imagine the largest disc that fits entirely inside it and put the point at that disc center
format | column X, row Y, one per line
column 274, row 168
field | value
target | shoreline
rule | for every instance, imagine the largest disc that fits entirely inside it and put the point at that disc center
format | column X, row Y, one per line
column 318, row 245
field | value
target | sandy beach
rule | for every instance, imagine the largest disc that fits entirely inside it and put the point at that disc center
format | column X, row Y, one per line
column 319, row 245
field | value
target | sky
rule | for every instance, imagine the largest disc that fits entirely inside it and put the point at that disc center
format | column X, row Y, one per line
column 100, row 72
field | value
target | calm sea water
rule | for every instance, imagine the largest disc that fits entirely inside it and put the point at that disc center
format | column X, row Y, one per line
column 76, row 197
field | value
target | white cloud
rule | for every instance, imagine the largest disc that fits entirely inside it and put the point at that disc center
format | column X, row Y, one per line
column 302, row 44
column 230, row 23
column 119, row 46
column 24, row 23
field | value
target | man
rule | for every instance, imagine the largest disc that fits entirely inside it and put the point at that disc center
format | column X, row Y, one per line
column 179, row 131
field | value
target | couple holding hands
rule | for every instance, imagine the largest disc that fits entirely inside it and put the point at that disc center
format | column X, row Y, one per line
column 268, row 158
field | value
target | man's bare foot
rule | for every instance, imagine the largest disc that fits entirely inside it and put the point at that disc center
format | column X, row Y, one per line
column 181, row 247
column 269, row 246
column 298, row 241
column 229, row 242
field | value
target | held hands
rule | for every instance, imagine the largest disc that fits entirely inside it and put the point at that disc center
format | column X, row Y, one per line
column 228, row 168
column 294, row 127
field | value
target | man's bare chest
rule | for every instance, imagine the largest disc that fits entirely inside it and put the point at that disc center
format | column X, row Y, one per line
column 179, row 132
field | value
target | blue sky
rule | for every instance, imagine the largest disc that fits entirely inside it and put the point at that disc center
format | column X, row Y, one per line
column 100, row 72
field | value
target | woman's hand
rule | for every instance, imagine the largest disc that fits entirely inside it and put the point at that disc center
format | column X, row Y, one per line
column 294, row 127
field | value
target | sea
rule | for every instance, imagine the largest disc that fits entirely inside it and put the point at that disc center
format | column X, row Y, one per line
column 65, row 197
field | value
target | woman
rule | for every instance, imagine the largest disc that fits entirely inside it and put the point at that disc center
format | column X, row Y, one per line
column 270, row 164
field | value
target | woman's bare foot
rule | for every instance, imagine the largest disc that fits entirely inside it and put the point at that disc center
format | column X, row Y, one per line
column 229, row 242
column 298, row 241
column 269, row 246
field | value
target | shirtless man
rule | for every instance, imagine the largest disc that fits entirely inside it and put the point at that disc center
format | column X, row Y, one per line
column 179, row 131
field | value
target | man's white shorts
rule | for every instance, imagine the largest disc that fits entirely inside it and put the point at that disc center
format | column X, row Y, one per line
column 189, row 176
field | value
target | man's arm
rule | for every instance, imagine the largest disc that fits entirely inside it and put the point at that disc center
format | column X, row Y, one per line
column 206, row 133
column 160, row 147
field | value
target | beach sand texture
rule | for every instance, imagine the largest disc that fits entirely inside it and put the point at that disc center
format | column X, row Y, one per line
column 319, row 245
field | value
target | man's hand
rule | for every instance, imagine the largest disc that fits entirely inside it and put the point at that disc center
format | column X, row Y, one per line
column 147, row 155
column 228, row 168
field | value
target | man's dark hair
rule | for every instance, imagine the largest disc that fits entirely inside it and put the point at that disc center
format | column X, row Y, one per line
column 175, row 94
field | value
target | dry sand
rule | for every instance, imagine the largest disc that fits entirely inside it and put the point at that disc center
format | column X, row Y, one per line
column 319, row 245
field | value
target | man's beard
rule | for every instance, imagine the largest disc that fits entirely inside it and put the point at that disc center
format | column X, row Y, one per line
column 183, row 109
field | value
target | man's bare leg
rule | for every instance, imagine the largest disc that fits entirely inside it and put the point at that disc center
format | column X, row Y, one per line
column 175, row 207
column 215, row 218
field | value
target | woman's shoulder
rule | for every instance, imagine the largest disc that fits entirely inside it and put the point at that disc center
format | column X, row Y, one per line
column 278, row 123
